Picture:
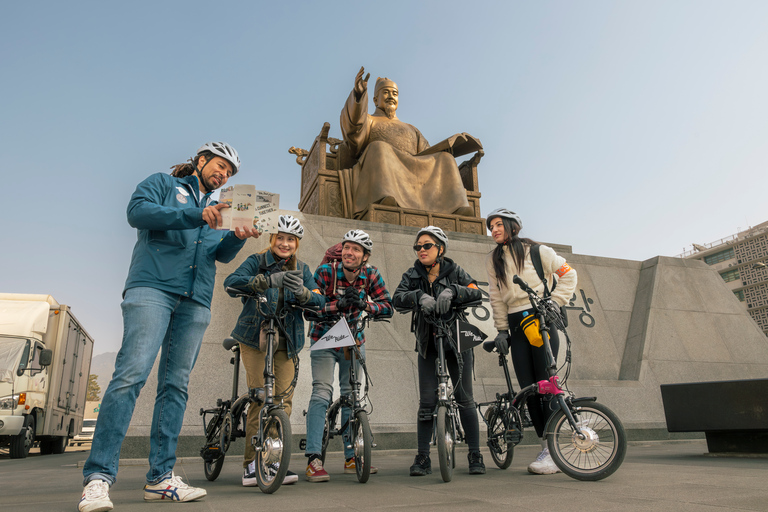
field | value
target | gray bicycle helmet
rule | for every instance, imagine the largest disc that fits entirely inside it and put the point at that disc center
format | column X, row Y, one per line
column 503, row 212
column 435, row 232
column 225, row 151
column 360, row 237
column 291, row 225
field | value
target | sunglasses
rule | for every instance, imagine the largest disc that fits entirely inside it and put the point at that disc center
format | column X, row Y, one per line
column 426, row 247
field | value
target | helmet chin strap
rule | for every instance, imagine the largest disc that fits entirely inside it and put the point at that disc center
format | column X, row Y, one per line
column 199, row 172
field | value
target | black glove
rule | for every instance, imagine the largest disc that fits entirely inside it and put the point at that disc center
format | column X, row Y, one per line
column 353, row 297
column 348, row 300
column 444, row 301
column 502, row 342
column 427, row 303
column 294, row 281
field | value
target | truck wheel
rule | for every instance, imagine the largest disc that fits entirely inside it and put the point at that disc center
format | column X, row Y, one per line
column 21, row 443
column 59, row 444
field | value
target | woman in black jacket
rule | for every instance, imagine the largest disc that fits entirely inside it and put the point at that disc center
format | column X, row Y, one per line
column 432, row 285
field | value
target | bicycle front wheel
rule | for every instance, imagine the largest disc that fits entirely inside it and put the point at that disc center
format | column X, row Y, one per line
column 274, row 455
column 498, row 424
column 362, row 442
column 601, row 450
column 445, row 442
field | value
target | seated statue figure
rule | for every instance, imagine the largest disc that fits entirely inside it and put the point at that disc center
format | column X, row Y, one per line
column 395, row 165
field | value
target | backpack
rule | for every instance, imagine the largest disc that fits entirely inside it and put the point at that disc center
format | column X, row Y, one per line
column 332, row 254
column 536, row 259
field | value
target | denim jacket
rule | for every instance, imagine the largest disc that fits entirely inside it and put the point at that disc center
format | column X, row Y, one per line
column 249, row 324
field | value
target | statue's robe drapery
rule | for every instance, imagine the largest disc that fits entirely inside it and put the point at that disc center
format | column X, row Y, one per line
column 386, row 165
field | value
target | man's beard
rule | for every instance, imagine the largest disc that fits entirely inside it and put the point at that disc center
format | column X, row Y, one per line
column 389, row 110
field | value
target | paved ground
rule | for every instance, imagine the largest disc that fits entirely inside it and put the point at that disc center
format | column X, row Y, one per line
column 656, row 476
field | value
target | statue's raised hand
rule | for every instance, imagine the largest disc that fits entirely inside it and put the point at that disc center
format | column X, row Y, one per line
column 361, row 84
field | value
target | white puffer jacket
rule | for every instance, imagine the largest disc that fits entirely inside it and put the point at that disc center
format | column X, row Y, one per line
column 511, row 299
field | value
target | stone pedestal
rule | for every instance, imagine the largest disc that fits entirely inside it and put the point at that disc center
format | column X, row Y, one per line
column 634, row 326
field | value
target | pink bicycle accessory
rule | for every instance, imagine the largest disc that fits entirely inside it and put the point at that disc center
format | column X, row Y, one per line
column 550, row 387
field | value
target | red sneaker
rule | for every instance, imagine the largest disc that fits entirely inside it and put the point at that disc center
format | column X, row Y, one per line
column 350, row 468
column 316, row 473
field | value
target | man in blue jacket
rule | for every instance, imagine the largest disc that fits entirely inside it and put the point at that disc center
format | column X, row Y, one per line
column 166, row 309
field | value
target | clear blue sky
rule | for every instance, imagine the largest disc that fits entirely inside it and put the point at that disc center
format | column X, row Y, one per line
column 625, row 129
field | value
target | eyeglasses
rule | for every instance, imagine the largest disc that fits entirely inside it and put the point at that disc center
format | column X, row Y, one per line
column 426, row 247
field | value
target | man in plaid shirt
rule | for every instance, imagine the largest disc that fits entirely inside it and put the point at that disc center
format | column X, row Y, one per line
column 346, row 284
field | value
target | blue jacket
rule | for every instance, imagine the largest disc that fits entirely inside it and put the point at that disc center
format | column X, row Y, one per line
column 248, row 325
column 176, row 251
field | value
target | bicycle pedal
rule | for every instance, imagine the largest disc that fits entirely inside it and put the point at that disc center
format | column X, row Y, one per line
column 513, row 436
column 303, row 442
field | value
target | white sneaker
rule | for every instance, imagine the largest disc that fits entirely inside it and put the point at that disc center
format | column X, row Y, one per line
column 172, row 489
column 543, row 465
column 95, row 497
column 249, row 475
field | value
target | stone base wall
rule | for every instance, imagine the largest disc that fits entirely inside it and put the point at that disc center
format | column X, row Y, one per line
column 633, row 326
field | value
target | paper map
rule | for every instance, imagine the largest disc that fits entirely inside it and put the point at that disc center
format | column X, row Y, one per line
column 249, row 207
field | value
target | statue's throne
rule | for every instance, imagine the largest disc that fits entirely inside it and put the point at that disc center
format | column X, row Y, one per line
column 325, row 191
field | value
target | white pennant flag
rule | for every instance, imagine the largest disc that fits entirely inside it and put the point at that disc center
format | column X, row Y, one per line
column 337, row 336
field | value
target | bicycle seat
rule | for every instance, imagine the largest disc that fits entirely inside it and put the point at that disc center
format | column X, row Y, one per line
column 228, row 343
column 489, row 345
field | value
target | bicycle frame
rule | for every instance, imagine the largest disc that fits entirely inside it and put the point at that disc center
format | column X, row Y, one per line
column 353, row 399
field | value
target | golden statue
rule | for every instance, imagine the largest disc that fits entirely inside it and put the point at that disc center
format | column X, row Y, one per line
column 395, row 165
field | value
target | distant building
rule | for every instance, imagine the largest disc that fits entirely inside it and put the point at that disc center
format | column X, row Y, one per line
column 742, row 261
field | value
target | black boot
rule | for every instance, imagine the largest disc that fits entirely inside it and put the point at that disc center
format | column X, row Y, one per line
column 476, row 466
column 422, row 465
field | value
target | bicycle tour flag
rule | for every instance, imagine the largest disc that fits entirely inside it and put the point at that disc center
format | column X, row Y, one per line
column 337, row 336
column 469, row 335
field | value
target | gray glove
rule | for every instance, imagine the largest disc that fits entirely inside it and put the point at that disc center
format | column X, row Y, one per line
column 502, row 342
column 444, row 301
column 275, row 279
column 427, row 303
column 293, row 281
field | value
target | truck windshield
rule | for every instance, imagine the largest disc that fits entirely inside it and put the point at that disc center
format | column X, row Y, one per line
column 12, row 352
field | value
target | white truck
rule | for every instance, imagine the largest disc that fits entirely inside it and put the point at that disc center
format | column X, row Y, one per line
column 45, row 359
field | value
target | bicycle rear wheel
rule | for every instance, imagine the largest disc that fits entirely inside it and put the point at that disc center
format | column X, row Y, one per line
column 274, row 455
column 213, row 455
column 213, row 468
column 445, row 442
column 498, row 424
column 602, row 450
column 362, row 441
column 332, row 418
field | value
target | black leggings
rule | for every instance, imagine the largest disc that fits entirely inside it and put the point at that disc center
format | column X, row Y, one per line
column 463, row 392
column 530, row 365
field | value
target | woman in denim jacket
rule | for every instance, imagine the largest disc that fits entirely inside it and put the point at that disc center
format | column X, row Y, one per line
column 281, row 277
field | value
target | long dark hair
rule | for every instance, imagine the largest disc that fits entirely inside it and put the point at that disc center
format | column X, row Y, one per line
column 188, row 168
column 516, row 249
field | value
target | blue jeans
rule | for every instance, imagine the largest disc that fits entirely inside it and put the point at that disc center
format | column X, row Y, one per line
column 323, row 362
column 153, row 321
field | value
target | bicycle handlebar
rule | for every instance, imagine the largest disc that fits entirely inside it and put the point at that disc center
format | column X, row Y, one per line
column 261, row 297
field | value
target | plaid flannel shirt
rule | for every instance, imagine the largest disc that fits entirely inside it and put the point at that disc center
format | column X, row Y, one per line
column 368, row 282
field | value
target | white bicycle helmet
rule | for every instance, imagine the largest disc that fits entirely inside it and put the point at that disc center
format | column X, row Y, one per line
column 225, row 151
column 360, row 237
column 291, row 225
column 435, row 232
column 503, row 212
